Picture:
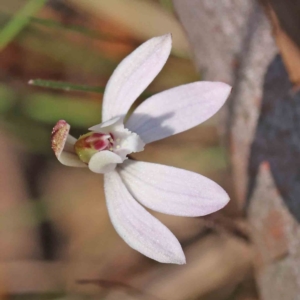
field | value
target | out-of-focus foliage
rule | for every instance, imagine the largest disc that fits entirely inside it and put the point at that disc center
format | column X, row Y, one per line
column 7, row 98
column 44, row 108
column 19, row 21
column 53, row 46
column 147, row 19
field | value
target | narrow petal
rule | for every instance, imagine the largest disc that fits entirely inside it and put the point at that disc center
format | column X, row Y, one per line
column 63, row 145
column 133, row 75
column 137, row 226
column 172, row 191
column 177, row 109
column 104, row 161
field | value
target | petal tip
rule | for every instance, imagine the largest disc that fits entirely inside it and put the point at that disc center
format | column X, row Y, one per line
column 178, row 257
column 226, row 88
column 164, row 41
column 225, row 200
column 181, row 260
column 222, row 199
column 221, row 92
column 167, row 38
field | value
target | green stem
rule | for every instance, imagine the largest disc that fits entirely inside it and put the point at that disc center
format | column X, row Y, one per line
column 66, row 86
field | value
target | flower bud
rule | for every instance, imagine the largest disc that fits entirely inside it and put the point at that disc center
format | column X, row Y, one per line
column 89, row 144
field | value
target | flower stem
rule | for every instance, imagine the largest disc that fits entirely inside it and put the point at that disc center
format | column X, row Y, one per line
column 66, row 86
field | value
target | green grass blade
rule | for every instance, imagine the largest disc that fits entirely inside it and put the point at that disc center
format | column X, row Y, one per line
column 66, row 86
column 20, row 20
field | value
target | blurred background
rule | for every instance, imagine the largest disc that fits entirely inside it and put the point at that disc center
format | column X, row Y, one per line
column 56, row 239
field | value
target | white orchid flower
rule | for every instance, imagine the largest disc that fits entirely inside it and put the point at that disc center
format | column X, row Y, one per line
column 129, row 183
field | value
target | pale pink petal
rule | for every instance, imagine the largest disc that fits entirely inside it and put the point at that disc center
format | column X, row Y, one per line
column 133, row 75
column 172, row 191
column 177, row 109
column 71, row 160
column 104, row 161
column 139, row 229
column 63, row 145
column 108, row 126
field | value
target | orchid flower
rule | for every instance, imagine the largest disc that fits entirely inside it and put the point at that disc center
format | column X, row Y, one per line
column 129, row 183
